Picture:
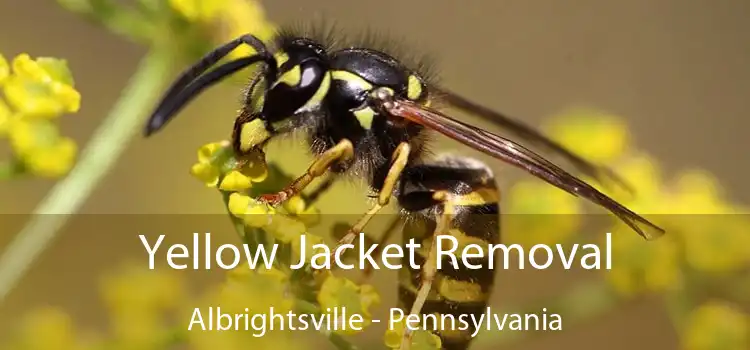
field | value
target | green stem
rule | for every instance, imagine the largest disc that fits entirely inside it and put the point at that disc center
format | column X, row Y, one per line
column 107, row 144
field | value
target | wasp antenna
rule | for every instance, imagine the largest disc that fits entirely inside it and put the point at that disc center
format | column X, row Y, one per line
column 179, row 93
column 170, row 107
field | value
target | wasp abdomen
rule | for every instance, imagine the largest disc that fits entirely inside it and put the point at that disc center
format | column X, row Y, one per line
column 462, row 286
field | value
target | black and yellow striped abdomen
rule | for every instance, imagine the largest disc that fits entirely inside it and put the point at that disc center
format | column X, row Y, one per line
column 457, row 291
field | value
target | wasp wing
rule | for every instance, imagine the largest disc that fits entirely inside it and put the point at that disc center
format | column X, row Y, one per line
column 531, row 135
column 513, row 153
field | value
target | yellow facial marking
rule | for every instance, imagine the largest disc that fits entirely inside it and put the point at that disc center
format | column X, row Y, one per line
column 258, row 97
column 390, row 91
column 253, row 134
column 351, row 78
column 413, row 88
column 291, row 77
column 321, row 93
column 365, row 117
column 281, row 58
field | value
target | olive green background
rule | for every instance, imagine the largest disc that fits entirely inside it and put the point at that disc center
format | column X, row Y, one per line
column 677, row 70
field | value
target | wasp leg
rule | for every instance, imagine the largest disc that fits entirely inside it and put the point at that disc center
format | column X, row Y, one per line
column 454, row 201
column 429, row 269
column 314, row 195
column 341, row 152
column 399, row 161
column 367, row 273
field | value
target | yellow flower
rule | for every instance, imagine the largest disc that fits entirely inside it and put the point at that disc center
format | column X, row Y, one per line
column 639, row 266
column 643, row 173
column 198, row 10
column 138, row 328
column 275, row 275
column 715, row 243
column 252, row 212
column 48, row 329
column 6, row 116
column 597, row 136
column 295, row 205
column 4, row 69
column 53, row 161
column 310, row 241
column 713, row 234
column 254, row 293
column 208, row 167
column 134, row 287
column 41, row 88
column 298, row 207
column 341, row 292
column 421, row 339
column 232, row 17
column 207, row 152
column 39, row 146
column 240, row 17
column 540, row 214
column 286, row 229
column 651, row 196
column 717, row 326
column 263, row 289
column 698, row 192
column 36, row 92
column 206, row 173
column 138, row 300
column 257, row 291
column 215, row 161
column 235, row 181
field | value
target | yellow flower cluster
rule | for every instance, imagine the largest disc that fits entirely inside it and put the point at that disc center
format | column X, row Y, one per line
column 341, row 292
column 421, row 339
column 50, row 328
column 252, row 292
column 703, row 227
column 36, row 93
column 218, row 168
column 232, row 18
column 706, row 233
column 535, row 207
column 717, row 325
column 215, row 159
column 139, row 302
column 595, row 135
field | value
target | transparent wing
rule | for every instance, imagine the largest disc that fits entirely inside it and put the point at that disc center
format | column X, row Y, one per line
column 527, row 133
column 513, row 153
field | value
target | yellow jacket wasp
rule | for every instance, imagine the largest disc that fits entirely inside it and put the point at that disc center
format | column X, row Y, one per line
column 366, row 114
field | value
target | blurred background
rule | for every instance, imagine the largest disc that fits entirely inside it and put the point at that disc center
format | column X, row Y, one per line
column 674, row 71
